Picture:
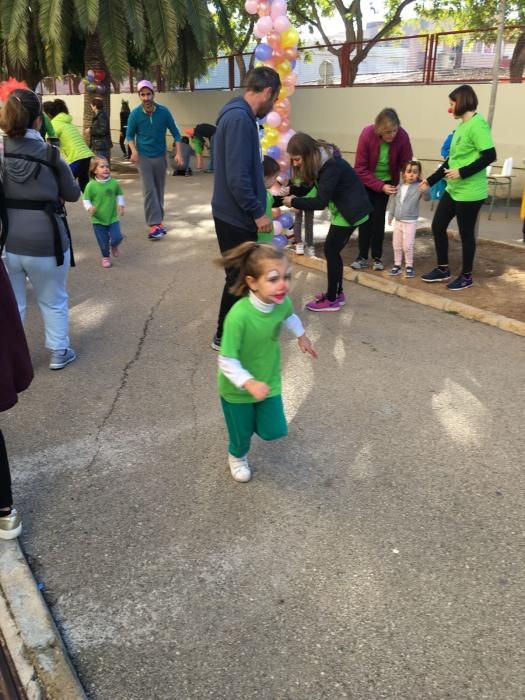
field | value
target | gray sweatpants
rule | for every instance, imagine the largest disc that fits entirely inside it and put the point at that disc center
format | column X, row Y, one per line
column 153, row 176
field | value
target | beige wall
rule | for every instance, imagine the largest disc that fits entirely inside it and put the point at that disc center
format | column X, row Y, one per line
column 339, row 114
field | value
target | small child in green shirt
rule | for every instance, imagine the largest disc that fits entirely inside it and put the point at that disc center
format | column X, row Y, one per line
column 104, row 201
column 249, row 380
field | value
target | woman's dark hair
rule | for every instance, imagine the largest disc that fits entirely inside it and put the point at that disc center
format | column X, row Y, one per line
column 61, row 106
column 19, row 112
column 385, row 117
column 464, row 99
column 248, row 258
column 270, row 166
column 310, row 151
column 124, row 107
column 98, row 103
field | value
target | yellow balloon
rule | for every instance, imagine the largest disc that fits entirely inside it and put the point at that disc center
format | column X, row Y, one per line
column 286, row 67
column 271, row 135
column 265, row 144
column 283, row 92
column 258, row 64
column 289, row 38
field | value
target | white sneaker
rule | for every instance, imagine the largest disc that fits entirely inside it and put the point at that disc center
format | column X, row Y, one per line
column 310, row 251
column 239, row 468
column 299, row 248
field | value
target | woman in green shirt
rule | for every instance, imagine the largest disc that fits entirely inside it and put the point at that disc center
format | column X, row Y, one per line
column 465, row 170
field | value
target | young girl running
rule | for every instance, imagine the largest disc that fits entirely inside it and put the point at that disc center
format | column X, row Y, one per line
column 249, row 380
column 104, row 200
column 404, row 208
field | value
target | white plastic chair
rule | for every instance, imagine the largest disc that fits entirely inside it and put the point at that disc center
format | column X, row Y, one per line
column 503, row 179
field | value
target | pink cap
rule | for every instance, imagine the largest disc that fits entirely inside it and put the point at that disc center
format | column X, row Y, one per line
column 145, row 84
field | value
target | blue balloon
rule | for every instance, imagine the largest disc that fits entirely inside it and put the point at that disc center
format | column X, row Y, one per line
column 280, row 241
column 263, row 52
column 294, row 63
column 286, row 220
column 273, row 152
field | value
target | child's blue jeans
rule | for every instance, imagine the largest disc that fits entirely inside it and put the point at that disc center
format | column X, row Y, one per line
column 106, row 236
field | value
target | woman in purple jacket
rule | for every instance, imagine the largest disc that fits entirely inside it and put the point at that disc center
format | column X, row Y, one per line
column 382, row 149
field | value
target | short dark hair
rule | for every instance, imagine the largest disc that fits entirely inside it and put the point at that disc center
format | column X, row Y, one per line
column 61, row 106
column 50, row 108
column 185, row 139
column 98, row 103
column 465, row 100
column 258, row 79
column 270, row 166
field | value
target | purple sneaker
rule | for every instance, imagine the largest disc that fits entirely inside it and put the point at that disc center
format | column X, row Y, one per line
column 341, row 298
column 323, row 304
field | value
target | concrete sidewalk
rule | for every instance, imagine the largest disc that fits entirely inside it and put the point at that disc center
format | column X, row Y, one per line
column 376, row 553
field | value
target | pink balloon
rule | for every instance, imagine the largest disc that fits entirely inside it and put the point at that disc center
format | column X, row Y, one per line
column 263, row 26
column 281, row 23
column 290, row 80
column 290, row 89
column 277, row 55
column 282, row 106
column 291, row 53
column 278, row 8
column 284, row 125
column 274, row 40
column 273, row 119
column 250, row 6
column 277, row 228
column 263, row 8
column 284, row 161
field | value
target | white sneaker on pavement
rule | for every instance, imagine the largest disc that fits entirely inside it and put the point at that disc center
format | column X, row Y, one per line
column 239, row 468
column 299, row 248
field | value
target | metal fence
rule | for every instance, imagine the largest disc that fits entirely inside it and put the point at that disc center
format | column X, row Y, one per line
column 425, row 59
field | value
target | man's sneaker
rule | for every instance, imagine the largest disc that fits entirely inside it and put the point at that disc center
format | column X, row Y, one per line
column 239, row 468
column 378, row 265
column 340, row 298
column 323, row 304
column 409, row 272
column 436, row 275
column 359, row 264
column 396, row 270
column 299, row 248
column 10, row 525
column 309, row 251
column 462, row 282
column 61, row 358
column 156, row 232
column 216, row 343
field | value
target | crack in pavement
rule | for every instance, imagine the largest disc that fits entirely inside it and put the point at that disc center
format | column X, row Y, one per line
column 125, row 372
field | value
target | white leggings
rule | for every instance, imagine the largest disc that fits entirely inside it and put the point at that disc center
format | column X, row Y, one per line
column 403, row 242
column 49, row 283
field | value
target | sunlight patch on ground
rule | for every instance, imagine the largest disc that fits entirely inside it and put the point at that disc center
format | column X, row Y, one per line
column 460, row 413
column 89, row 314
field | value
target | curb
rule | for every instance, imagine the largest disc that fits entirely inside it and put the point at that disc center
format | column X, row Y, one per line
column 34, row 644
column 504, row 323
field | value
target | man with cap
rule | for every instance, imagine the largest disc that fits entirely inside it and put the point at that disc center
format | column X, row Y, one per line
column 146, row 137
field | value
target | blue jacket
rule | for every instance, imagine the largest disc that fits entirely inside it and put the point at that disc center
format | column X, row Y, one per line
column 239, row 195
column 149, row 130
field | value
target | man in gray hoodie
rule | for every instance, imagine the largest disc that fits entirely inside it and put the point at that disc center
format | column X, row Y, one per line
column 239, row 196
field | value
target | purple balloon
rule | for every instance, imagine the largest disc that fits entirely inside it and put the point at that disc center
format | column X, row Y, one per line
column 293, row 63
column 274, row 152
column 280, row 241
column 263, row 52
column 286, row 220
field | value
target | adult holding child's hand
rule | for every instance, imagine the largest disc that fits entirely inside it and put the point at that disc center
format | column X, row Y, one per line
column 382, row 149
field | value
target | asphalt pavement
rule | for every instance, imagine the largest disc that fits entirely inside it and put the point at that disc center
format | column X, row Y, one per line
column 378, row 550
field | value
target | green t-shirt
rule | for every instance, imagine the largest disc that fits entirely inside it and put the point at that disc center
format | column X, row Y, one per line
column 382, row 171
column 103, row 196
column 252, row 337
column 470, row 138
column 267, row 237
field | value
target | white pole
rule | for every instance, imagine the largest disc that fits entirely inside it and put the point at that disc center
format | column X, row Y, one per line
column 497, row 61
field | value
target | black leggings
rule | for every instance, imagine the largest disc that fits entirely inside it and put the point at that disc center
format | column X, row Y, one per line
column 229, row 237
column 372, row 232
column 6, row 497
column 466, row 214
column 337, row 238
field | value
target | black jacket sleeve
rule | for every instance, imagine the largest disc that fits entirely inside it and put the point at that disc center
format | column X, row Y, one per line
column 326, row 186
column 438, row 174
column 277, row 201
column 485, row 158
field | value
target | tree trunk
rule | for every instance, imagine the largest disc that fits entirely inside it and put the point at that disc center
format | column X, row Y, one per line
column 517, row 62
column 94, row 60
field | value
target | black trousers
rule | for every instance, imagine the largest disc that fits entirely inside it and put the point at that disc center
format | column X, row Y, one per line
column 337, row 238
column 126, row 150
column 466, row 214
column 372, row 232
column 229, row 237
column 6, row 497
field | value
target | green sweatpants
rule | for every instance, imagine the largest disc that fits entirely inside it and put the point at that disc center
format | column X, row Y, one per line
column 264, row 418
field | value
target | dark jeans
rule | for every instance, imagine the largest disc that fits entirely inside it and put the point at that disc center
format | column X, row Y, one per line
column 337, row 238
column 80, row 170
column 6, row 497
column 372, row 232
column 229, row 237
column 126, row 150
column 466, row 214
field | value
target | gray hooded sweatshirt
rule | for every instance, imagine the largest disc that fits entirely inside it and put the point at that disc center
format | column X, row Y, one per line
column 408, row 208
column 31, row 232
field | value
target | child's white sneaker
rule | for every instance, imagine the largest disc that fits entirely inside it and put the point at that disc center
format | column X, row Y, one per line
column 310, row 251
column 299, row 248
column 239, row 468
